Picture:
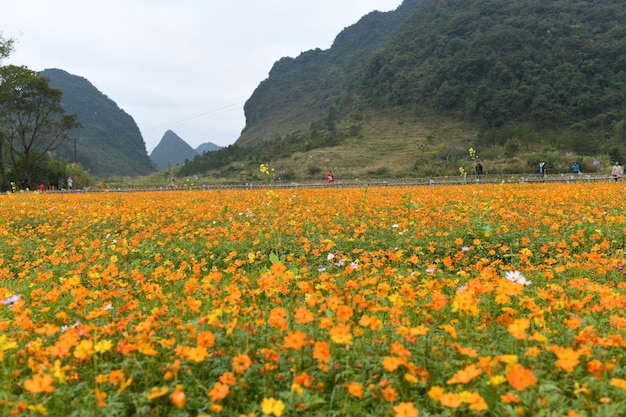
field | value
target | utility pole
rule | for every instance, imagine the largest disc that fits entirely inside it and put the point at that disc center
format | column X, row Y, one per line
column 75, row 139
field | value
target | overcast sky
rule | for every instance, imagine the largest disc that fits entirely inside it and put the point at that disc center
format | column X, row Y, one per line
column 185, row 65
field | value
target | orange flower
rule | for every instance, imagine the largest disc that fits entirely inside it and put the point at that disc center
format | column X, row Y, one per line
column 617, row 382
column 344, row 313
column 390, row 394
column 39, row 383
column 157, row 392
column 399, row 350
column 197, row 354
column 295, row 340
column 101, row 397
column 406, row 409
column 124, row 385
column 509, row 397
column 475, row 401
column 573, row 322
column 465, row 350
column 178, row 398
column 278, row 318
column 519, row 377
column 241, row 363
column 228, row 378
column 84, row 350
column 218, row 392
column 270, row 355
column 567, row 358
column 116, row 376
column 449, row 329
column 340, row 334
column 277, row 268
column 303, row 379
column 354, row 388
column 518, row 328
column 303, row 316
column 391, row 363
column 206, row 339
column 464, row 376
column 450, row 399
column 436, row 392
column 321, row 352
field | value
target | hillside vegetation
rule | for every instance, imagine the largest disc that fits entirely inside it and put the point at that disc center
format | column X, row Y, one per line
column 109, row 143
column 519, row 81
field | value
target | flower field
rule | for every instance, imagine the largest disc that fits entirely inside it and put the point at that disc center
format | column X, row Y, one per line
column 490, row 300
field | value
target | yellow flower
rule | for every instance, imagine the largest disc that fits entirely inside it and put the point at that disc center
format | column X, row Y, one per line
column 271, row 406
column 103, row 346
column 496, row 380
column 38, row 408
column 297, row 388
column 84, row 350
column 6, row 343
column 581, row 389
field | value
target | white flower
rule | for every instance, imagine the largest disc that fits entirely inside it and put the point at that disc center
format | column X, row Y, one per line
column 354, row 265
column 331, row 256
column 11, row 301
column 516, row 277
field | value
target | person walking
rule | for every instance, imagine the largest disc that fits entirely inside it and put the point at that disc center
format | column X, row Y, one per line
column 479, row 169
column 542, row 168
column 616, row 173
column 70, row 182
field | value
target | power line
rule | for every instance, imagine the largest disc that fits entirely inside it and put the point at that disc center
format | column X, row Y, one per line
column 196, row 116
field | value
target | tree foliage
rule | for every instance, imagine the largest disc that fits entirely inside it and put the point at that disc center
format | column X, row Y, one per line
column 32, row 119
column 553, row 64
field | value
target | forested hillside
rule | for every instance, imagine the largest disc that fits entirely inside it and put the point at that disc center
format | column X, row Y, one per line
column 109, row 143
column 532, row 63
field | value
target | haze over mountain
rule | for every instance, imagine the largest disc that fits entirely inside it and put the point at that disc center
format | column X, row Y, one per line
column 109, row 143
column 207, row 147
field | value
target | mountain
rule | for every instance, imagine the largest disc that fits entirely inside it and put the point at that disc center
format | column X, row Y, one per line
column 171, row 151
column 509, row 65
column 301, row 90
column 207, row 147
column 109, row 143
column 408, row 92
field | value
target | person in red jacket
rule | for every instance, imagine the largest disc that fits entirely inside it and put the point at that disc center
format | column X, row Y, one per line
column 331, row 178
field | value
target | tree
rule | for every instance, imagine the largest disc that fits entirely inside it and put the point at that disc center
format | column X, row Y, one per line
column 32, row 119
column 6, row 47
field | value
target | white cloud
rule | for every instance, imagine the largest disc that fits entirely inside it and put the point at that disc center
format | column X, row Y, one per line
column 188, row 65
